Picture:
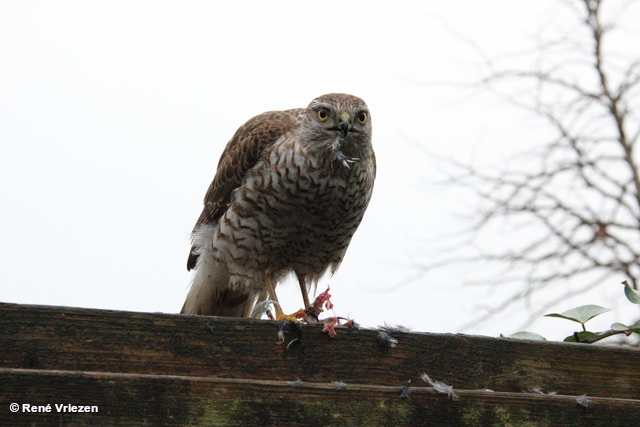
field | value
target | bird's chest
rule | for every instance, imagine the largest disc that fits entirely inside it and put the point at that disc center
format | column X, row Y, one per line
column 298, row 188
column 295, row 209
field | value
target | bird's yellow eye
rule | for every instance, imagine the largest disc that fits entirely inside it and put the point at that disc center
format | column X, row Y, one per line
column 362, row 117
column 323, row 115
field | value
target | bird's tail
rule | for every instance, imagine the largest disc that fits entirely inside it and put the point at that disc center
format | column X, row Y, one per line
column 210, row 293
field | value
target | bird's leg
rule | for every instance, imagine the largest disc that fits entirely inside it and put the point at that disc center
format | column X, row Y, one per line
column 303, row 290
column 310, row 312
column 272, row 296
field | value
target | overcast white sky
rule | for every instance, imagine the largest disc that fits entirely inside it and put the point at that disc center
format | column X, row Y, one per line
column 113, row 116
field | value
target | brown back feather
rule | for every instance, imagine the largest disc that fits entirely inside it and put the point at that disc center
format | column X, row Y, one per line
column 240, row 155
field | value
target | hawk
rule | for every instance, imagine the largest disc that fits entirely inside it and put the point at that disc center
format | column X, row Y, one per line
column 289, row 192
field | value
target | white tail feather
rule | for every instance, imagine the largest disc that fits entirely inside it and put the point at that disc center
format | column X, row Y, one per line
column 209, row 293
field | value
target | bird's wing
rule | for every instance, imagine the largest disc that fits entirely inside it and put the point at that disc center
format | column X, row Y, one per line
column 239, row 156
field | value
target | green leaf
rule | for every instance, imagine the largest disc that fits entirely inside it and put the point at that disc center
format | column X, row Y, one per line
column 635, row 327
column 582, row 336
column 524, row 335
column 619, row 327
column 632, row 295
column 581, row 314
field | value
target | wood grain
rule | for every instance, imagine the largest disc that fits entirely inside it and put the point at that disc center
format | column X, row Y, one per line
column 132, row 400
column 166, row 369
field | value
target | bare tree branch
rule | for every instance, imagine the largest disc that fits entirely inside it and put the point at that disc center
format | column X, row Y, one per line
column 580, row 191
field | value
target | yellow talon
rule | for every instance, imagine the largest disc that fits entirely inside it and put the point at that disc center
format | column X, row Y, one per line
column 290, row 317
column 300, row 314
column 280, row 316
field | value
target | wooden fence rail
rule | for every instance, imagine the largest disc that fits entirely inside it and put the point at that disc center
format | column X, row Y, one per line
column 165, row 369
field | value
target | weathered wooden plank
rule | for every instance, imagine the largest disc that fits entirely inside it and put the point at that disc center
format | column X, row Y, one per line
column 140, row 400
column 75, row 339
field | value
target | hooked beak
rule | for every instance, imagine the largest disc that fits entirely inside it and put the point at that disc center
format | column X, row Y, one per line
column 345, row 128
column 345, row 124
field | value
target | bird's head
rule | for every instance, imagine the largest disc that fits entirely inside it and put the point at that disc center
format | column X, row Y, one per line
column 341, row 122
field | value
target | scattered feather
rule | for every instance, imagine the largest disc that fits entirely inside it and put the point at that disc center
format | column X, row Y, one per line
column 384, row 334
column 293, row 342
column 583, row 400
column 394, row 329
column 339, row 385
column 351, row 324
column 261, row 308
column 288, row 327
column 538, row 390
column 405, row 391
column 440, row 387
column 386, row 340
column 296, row 383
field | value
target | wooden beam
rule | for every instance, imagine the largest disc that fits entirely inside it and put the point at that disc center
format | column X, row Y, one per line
column 77, row 339
column 168, row 369
column 137, row 400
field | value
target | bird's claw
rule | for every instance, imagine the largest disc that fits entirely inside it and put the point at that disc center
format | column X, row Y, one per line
column 293, row 317
column 310, row 315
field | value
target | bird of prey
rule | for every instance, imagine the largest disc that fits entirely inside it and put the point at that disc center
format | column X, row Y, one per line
column 289, row 192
